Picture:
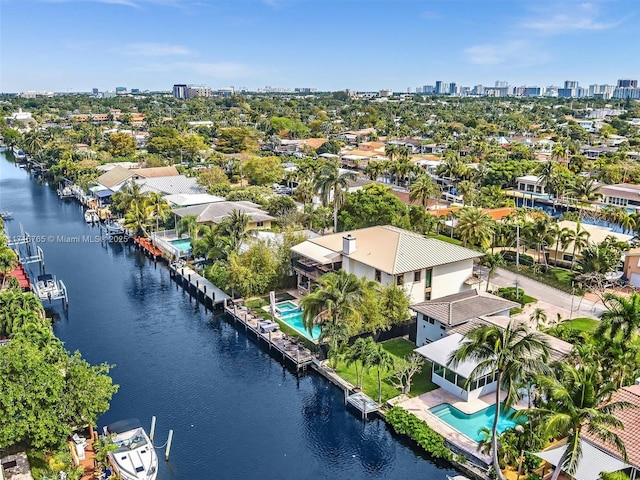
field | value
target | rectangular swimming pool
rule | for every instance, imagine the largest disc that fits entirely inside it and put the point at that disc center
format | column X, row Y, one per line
column 291, row 314
column 471, row 425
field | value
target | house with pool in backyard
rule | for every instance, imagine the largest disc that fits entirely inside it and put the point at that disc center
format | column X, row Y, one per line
column 458, row 410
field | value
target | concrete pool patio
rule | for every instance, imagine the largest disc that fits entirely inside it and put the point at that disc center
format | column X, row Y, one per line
column 421, row 404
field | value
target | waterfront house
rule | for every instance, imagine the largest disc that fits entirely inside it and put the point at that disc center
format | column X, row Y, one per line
column 454, row 379
column 425, row 267
column 216, row 212
column 117, row 177
column 624, row 195
column 435, row 318
column 531, row 184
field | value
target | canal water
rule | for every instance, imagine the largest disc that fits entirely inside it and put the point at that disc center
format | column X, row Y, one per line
column 236, row 412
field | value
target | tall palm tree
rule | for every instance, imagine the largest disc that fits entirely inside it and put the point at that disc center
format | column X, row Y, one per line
column 492, row 261
column 236, row 227
column 358, row 354
column 576, row 401
column 337, row 300
column 8, row 261
column 391, row 151
column 475, row 227
column 564, row 240
column 511, row 355
column 580, row 241
column 331, row 182
column 137, row 218
column 381, row 360
column 304, row 192
column 423, row 189
column 621, row 317
column 156, row 207
column 187, row 224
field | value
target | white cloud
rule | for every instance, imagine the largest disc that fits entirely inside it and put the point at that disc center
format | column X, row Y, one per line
column 148, row 49
column 567, row 18
column 516, row 53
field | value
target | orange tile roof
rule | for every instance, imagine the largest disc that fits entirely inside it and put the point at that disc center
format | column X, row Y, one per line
column 630, row 419
column 315, row 142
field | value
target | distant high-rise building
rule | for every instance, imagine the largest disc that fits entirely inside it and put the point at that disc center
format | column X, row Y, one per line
column 453, row 88
column 501, row 84
column 135, row 90
column 305, row 90
column 194, row 91
column 386, row 92
column 627, row 92
column 570, row 84
column 627, row 83
column 439, row 90
column 419, row 90
column 532, row 92
column 428, row 89
column 95, row 91
column 227, row 92
column 478, row 90
column 180, row 91
column 604, row 92
column 121, row 90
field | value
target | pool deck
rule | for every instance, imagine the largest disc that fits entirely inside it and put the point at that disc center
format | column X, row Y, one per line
column 420, row 406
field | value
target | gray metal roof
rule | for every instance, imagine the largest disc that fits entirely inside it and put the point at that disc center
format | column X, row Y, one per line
column 216, row 212
column 170, row 185
column 592, row 463
column 462, row 307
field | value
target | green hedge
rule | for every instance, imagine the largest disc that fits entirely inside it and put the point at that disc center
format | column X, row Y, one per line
column 408, row 424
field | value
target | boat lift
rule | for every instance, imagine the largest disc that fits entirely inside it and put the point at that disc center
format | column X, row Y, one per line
column 23, row 239
column 37, row 258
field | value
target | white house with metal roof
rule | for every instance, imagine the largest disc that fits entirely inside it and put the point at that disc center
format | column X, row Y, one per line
column 425, row 267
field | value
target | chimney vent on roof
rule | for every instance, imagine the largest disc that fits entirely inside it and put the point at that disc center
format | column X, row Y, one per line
column 348, row 244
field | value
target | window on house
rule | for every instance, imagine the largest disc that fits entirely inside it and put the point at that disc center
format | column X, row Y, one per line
column 567, row 258
column 417, row 276
column 399, row 280
column 378, row 276
column 427, row 278
column 431, row 320
column 259, row 224
column 427, row 296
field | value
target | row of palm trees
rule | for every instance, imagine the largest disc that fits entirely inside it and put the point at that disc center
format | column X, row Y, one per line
column 571, row 396
column 365, row 354
column 142, row 210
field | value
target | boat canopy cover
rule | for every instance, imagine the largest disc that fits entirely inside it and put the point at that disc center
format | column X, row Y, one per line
column 45, row 277
column 103, row 193
column 124, row 425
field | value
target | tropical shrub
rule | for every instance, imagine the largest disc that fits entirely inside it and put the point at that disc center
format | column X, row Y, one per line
column 408, row 424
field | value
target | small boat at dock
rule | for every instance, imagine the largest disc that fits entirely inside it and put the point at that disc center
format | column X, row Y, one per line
column 65, row 192
column 135, row 457
column 91, row 216
column 48, row 288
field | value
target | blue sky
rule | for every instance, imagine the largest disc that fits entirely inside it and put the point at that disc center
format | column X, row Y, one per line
column 74, row 45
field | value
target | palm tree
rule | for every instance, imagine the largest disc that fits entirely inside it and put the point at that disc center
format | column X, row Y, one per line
column 331, row 182
column 492, row 261
column 538, row 316
column 580, row 241
column 381, row 360
column 337, row 300
column 236, row 227
column 564, row 240
column 358, row 353
column 156, row 207
column 188, row 225
column 8, row 261
column 304, row 192
column 423, row 189
column 475, row 227
column 622, row 316
column 390, row 151
column 575, row 401
column 510, row 355
column 137, row 218
column 543, row 235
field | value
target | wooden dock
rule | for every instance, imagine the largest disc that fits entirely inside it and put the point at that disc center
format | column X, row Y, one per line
column 148, row 247
column 363, row 403
column 291, row 350
column 197, row 286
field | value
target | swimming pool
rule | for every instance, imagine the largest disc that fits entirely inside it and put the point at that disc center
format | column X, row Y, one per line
column 182, row 244
column 291, row 314
column 470, row 425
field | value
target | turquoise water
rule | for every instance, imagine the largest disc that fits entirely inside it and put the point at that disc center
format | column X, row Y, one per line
column 182, row 244
column 293, row 318
column 284, row 307
column 470, row 425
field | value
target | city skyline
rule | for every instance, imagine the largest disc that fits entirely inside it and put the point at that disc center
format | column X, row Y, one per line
column 77, row 45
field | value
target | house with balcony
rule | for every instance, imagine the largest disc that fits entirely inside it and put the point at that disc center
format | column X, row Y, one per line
column 624, row 195
column 531, row 184
column 425, row 267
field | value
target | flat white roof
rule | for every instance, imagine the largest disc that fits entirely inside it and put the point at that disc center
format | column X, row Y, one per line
column 440, row 351
column 316, row 253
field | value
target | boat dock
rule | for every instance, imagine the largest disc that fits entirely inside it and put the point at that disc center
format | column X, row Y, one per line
column 197, row 286
column 290, row 349
column 149, row 248
column 363, row 403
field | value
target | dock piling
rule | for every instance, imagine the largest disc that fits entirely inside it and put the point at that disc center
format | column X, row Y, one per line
column 153, row 428
column 166, row 453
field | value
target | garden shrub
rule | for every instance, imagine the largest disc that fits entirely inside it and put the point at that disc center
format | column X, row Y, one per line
column 408, row 424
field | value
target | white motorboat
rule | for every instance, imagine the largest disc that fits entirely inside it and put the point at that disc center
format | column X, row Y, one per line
column 19, row 154
column 47, row 287
column 91, row 216
column 457, row 477
column 135, row 457
column 65, row 192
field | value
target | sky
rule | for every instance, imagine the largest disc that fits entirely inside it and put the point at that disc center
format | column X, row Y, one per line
column 77, row 45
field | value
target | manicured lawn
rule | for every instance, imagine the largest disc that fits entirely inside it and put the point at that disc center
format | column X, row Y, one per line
column 398, row 348
column 581, row 324
column 562, row 275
